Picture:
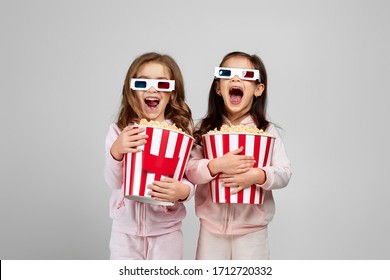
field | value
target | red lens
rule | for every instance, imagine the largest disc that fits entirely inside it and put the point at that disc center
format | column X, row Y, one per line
column 248, row 74
column 163, row 85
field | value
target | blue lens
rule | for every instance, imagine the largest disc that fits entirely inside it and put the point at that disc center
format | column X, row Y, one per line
column 225, row 73
column 140, row 84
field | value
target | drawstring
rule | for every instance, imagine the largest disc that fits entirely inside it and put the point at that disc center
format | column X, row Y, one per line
column 121, row 203
column 167, row 210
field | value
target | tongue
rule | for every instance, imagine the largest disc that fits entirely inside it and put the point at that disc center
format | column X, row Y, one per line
column 235, row 98
column 151, row 103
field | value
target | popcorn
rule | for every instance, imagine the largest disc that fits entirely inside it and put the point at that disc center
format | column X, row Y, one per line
column 165, row 154
column 239, row 129
column 160, row 124
column 255, row 142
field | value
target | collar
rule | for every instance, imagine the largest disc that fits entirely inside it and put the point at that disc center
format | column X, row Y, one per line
column 246, row 121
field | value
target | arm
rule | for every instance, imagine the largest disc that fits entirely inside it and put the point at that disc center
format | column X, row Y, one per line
column 171, row 190
column 117, row 144
column 278, row 174
column 197, row 167
column 275, row 176
column 201, row 171
column 113, row 169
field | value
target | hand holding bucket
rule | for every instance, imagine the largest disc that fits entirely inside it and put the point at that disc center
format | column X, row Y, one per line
column 164, row 155
column 256, row 145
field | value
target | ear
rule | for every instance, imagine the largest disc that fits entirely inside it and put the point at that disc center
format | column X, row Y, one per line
column 217, row 87
column 259, row 90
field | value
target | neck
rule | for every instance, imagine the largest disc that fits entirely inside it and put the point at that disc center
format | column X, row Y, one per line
column 236, row 119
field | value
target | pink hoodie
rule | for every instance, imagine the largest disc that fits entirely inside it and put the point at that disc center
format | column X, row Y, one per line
column 133, row 217
column 238, row 219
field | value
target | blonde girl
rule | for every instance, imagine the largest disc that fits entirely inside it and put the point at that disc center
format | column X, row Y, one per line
column 153, row 90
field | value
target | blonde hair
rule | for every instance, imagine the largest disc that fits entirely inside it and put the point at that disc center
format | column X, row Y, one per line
column 176, row 110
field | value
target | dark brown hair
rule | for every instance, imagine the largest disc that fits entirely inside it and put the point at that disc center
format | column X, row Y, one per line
column 216, row 107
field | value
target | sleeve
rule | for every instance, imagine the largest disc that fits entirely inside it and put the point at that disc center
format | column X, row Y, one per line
column 192, row 189
column 197, row 170
column 279, row 172
column 113, row 169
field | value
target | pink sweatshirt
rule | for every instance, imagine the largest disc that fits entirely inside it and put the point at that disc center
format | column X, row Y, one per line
column 238, row 219
column 133, row 217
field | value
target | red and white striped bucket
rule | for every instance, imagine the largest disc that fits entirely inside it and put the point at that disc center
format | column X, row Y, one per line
column 257, row 145
column 164, row 155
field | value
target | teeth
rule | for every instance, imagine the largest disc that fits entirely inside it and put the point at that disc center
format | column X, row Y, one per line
column 152, row 101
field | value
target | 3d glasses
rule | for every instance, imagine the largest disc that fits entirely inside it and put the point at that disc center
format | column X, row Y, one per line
column 159, row 85
column 244, row 74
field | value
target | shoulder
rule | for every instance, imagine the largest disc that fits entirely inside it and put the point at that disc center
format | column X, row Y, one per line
column 273, row 130
column 114, row 129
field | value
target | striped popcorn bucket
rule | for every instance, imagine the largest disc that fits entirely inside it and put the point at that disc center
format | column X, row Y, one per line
column 164, row 155
column 257, row 145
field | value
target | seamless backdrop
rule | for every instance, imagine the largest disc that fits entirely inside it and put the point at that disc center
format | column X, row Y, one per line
column 62, row 65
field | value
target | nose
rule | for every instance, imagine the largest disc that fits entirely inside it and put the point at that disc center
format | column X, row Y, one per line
column 236, row 78
column 152, row 89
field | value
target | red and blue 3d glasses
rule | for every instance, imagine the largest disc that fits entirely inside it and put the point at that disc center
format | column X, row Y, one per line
column 159, row 85
column 244, row 74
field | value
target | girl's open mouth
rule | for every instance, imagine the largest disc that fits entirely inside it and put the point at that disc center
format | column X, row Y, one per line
column 236, row 95
column 152, row 102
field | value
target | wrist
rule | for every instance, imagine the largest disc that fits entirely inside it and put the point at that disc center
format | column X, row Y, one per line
column 115, row 155
column 262, row 176
column 213, row 167
column 185, row 193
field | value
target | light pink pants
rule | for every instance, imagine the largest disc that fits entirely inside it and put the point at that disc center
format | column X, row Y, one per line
column 251, row 246
column 161, row 247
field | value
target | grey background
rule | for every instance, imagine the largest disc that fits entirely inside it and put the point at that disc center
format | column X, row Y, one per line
column 62, row 68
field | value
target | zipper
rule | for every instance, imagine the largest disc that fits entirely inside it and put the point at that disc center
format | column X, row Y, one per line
column 142, row 219
column 138, row 216
column 231, row 217
column 226, row 218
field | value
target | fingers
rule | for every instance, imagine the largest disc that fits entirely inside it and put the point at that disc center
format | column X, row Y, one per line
column 239, row 150
column 236, row 190
column 248, row 158
column 133, row 150
column 135, row 134
column 243, row 168
column 160, row 191
column 133, row 144
column 168, row 189
column 167, row 180
column 131, row 130
column 227, row 180
column 159, row 187
column 230, row 182
column 246, row 165
column 132, row 138
column 159, row 196
column 164, row 183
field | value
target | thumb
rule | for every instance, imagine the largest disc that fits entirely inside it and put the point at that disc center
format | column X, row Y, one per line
column 168, row 180
column 237, row 151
